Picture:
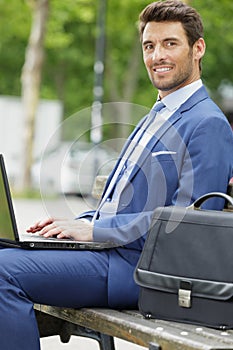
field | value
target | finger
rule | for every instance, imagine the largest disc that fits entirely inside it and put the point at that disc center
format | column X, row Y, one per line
column 33, row 227
column 63, row 235
column 47, row 228
column 45, row 222
column 39, row 225
column 53, row 232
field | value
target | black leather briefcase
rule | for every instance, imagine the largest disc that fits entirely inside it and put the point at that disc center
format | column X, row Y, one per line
column 185, row 271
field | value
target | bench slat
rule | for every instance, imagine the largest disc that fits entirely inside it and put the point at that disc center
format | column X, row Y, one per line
column 131, row 326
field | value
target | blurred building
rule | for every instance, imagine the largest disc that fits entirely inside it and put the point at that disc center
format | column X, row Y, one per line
column 49, row 116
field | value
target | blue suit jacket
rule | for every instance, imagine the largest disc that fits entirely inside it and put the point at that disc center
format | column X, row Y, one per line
column 190, row 155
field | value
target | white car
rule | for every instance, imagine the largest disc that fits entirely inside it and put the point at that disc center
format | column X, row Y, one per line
column 72, row 168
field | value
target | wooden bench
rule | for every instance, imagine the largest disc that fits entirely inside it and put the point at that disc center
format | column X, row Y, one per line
column 105, row 324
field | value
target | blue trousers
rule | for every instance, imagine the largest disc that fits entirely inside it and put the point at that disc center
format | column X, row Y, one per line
column 62, row 278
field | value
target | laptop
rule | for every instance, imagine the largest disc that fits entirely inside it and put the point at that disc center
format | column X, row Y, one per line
column 9, row 235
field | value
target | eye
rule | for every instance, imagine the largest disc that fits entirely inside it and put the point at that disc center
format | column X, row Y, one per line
column 148, row 47
column 170, row 43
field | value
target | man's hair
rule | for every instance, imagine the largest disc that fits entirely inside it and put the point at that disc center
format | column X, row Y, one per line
column 173, row 11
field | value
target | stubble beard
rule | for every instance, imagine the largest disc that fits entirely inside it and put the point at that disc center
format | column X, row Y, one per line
column 179, row 79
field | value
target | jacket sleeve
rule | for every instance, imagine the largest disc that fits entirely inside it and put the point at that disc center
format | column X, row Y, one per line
column 123, row 229
column 208, row 163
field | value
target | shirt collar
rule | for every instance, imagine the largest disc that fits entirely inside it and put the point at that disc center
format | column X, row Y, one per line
column 177, row 98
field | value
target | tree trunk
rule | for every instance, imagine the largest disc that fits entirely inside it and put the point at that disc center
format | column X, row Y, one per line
column 31, row 79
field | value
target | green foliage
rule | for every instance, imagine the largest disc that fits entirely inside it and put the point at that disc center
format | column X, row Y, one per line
column 217, row 18
column 70, row 49
column 15, row 21
column 68, row 72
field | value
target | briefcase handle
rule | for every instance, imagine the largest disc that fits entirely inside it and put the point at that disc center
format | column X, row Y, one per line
column 198, row 202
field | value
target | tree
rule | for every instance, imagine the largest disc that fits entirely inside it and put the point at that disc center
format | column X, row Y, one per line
column 69, row 44
column 31, row 79
column 70, row 49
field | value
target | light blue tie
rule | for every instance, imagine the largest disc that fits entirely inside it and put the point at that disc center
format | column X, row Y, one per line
column 158, row 106
column 155, row 109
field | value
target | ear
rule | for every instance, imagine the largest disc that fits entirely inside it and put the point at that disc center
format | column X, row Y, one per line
column 199, row 48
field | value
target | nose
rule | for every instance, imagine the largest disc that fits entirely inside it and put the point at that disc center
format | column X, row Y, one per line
column 158, row 53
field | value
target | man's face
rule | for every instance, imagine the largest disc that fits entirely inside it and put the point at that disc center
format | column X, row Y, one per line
column 170, row 61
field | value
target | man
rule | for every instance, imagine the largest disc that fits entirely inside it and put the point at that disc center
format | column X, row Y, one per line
column 172, row 157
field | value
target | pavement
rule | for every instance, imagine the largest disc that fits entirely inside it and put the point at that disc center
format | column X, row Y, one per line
column 29, row 211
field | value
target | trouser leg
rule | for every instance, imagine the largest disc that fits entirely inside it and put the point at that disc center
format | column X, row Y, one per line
column 61, row 278
column 18, row 325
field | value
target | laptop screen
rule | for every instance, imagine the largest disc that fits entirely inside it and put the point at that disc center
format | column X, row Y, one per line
column 9, row 232
column 8, row 228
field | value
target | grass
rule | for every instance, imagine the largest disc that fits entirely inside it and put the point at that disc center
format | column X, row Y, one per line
column 27, row 194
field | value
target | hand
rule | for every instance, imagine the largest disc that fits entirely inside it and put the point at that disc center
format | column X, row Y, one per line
column 63, row 228
column 39, row 225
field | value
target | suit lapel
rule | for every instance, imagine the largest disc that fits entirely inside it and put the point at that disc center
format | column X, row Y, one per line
column 154, row 140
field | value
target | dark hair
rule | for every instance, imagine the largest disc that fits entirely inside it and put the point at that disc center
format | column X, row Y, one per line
column 174, row 11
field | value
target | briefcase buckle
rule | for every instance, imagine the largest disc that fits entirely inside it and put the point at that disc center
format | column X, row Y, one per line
column 184, row 294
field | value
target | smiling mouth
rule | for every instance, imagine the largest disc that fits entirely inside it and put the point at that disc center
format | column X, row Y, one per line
column 162, row 70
